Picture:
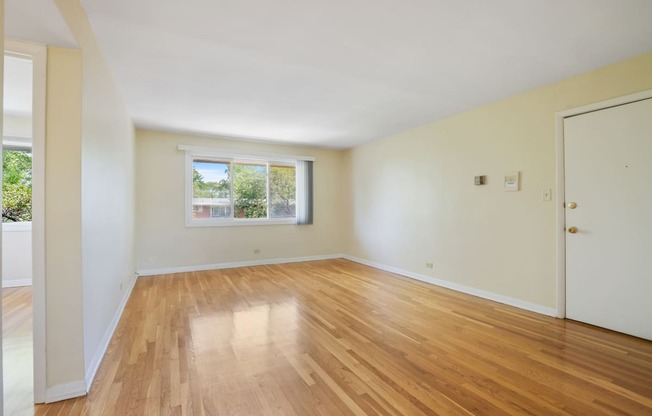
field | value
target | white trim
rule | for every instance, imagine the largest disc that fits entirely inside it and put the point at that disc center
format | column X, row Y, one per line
column 65, row 391
column 560, row 218
column 10, row 227
column 38, row 54
column 521, row 304
column 561, row 182
column 237, row 222
column 16, row 283
column 17, row 143
column 601, row 105
column 91, row 371
column 239, row 154
column 218, row 266
column 188, row 190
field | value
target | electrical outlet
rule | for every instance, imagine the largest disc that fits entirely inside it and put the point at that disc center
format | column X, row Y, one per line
column 151, row 259
column 257, row 251
column 429, row 265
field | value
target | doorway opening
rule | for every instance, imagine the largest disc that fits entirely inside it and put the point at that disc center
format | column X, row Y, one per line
column 23, row 224
column 17, row 327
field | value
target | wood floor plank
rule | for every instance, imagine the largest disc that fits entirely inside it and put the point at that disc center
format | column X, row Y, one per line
column 338, row 338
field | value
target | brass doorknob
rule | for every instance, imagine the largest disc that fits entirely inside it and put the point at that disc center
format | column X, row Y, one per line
column 572, row 230
column 572, row 205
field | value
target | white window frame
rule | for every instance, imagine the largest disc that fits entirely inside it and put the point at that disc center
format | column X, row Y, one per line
column 227, row 155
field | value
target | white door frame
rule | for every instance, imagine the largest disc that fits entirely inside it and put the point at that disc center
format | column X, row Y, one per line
column 561, row 184
column 38, row 54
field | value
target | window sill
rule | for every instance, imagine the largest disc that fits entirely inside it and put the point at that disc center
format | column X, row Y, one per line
column 8, row 227
column 238, row 222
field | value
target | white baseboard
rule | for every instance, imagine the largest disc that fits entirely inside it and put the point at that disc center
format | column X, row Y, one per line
column 91, row 371
column 65, row 391
column 544, row 310
column 183, row 269
column 17, row 283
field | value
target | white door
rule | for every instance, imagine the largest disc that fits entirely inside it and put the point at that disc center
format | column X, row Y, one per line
column 608, row 173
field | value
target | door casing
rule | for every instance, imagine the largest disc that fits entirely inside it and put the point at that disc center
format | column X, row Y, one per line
column 561, row 184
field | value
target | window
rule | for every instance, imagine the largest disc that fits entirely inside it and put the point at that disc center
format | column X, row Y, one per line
column 249, row 190
column 223, row 188
column 282, row 191
column 16, row 185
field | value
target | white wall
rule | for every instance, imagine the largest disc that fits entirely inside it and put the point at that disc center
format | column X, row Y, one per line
column 412, row 200
column 107, row 201
column 17, row 254
column 2, row 28
column 163, row 241
column 20, row 126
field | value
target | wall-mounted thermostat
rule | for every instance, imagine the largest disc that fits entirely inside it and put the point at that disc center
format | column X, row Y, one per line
column 511, row 181
column 479, row 180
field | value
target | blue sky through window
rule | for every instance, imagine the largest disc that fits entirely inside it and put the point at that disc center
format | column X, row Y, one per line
column 211, row 171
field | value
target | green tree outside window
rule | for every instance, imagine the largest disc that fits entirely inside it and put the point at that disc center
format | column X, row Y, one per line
column 16, row 186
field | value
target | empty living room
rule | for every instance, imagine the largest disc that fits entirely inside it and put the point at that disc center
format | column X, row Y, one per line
column 364, row 208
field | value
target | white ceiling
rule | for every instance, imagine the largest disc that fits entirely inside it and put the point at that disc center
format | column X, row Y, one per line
column 338, row 73
column 37, row 21
column 17, row 89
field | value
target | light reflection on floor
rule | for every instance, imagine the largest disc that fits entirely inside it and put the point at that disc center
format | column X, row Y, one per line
column 249, row 337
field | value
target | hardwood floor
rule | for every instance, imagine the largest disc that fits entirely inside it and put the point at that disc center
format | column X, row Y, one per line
column 17, row 349
column 338, row 338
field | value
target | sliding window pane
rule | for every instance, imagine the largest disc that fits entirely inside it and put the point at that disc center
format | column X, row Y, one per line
column 282, row 191
column 211, row 189
column 250, row 190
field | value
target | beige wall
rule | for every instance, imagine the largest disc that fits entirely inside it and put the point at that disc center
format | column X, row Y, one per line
column 63, row 268
column 412, row 200
column 107, row 198
column 162, row 240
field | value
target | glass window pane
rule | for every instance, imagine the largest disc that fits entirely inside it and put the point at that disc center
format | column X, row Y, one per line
column 282, row 191
column 16, row 185
column 211, row 189
column 250, row 190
